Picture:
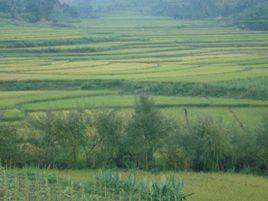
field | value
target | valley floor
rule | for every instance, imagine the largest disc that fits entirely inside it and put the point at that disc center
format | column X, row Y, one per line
column 198, row 65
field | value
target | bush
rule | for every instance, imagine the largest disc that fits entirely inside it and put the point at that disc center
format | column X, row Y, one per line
column 262, row 145
column 171, row 154
column 146, row 140
column 9, row 151
column 145, row 131
column 207, row 145
column 243, row 149
column 62, row 137
column 107, row 140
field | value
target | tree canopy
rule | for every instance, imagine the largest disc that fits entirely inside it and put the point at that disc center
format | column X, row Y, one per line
column 245, row 13
column 31, row 10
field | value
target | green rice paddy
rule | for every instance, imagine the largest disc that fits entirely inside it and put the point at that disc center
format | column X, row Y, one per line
column 133, row 49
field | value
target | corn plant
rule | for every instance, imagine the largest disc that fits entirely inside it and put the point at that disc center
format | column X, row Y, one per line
column 169, row 189
column 25, row 185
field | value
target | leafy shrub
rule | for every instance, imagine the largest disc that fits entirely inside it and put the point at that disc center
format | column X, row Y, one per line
column 171, row 157
column 169, row 189
column 9, row 151
column 145, row 131
column 244, row 150
column 107, row 140
column 146, row 140
column 62, row 137
column 262, row 145
column 207, row 144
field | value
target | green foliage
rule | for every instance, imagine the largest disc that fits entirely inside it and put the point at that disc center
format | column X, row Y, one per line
column 169, row 189
column 32, row 10
column 254, row 18
column 30, row 184
column 145, row 140
column 250, row 14
column 244, row 150
column 1, row 116
column 262, row 148
column 34, row 184
column 107, row 140
column 9, row 150
column 62, row 137
column 207, row 144
column 83, row 8
column 171, row 154
column 146, row 129
column 254, row 88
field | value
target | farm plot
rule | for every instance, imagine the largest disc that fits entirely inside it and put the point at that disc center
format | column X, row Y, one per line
column 221, row 186
column 127, row 101
column 55, row 185
column 230, row 65
column 15, row 105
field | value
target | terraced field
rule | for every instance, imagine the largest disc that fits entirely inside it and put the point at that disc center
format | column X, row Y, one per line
column 203, row 66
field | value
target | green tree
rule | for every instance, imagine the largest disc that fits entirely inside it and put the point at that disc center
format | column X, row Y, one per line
column 40, row 9
column 73, row 129
column 32, row 10
column 9, row 150
column 62, row 137
column 145, row 131
column 207, row 144
column 262, row 144
column 45, row 136
column 243, row 149
column 108, row 140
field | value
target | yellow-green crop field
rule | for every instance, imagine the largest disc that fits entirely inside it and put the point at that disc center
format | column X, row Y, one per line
column 204, row 186
column 211, row 68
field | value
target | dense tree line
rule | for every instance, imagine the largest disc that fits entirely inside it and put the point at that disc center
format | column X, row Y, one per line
column 83, row 8
column 251, row 14
column 255, row 17
column 203, row 8
column 146, row 139
column 34, row 10
column 244, row 13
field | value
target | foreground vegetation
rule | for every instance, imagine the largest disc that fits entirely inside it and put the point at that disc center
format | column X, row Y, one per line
column 36, row 184
column 146, row 139
column 29, row 185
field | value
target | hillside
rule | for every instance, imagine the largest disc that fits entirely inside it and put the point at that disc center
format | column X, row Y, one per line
column 158, row 100
column 128, row 56
column 197, row 73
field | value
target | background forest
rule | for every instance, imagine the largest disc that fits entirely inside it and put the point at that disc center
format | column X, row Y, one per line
column 252, row 14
